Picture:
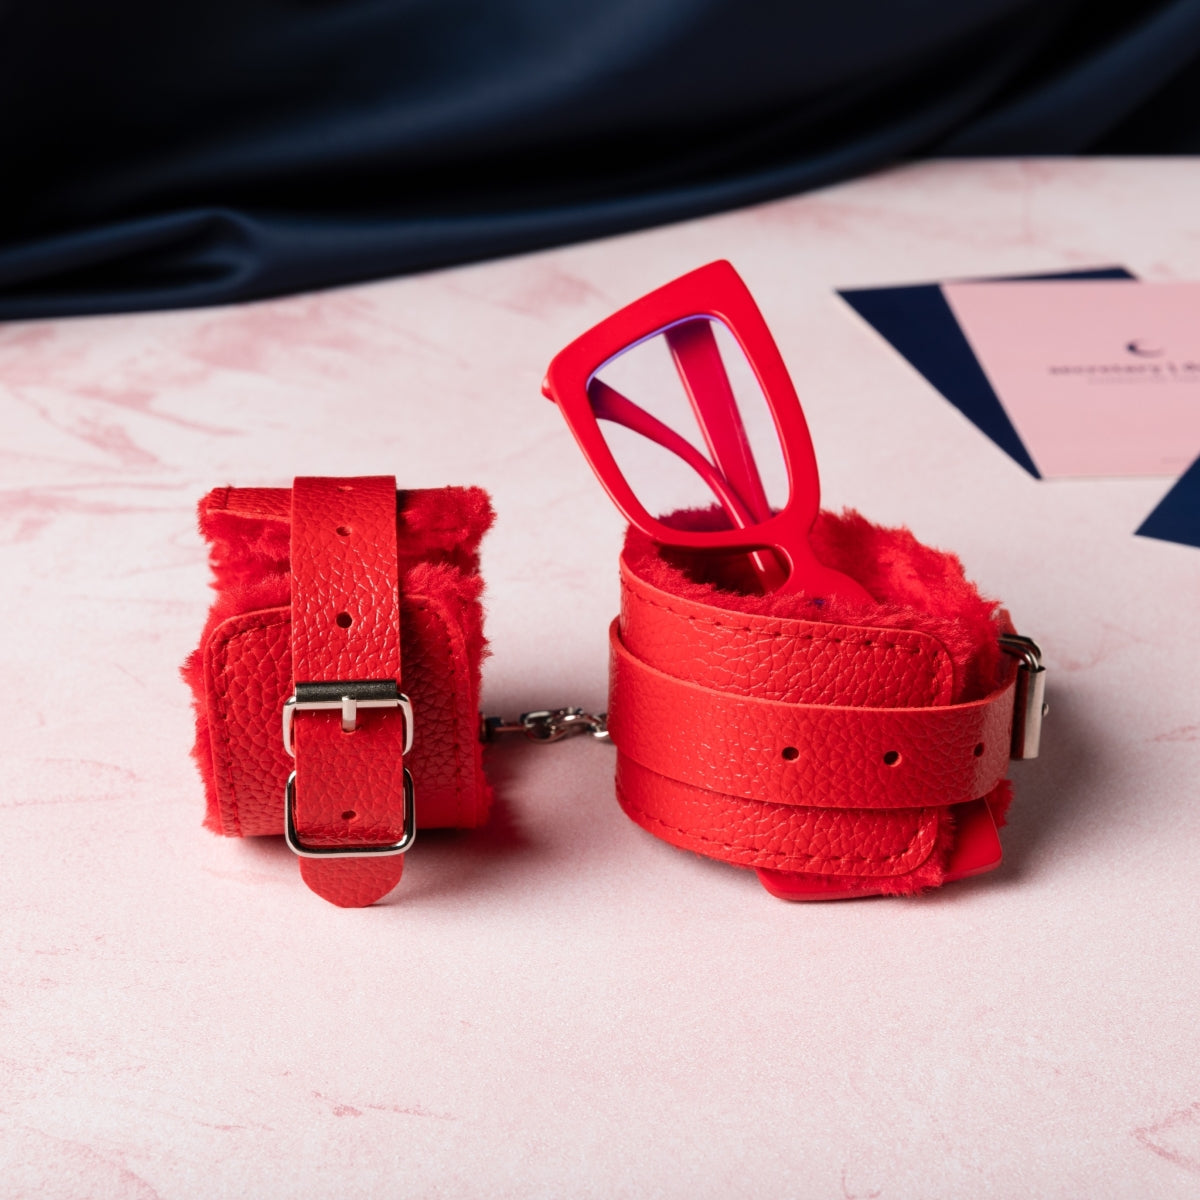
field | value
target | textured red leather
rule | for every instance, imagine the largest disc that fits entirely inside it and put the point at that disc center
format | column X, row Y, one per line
column 783, row 837
column 831, row 755
column 976, row 850
column 247, row 658
column 242, row 673
column 800, row 746
column 346, row 626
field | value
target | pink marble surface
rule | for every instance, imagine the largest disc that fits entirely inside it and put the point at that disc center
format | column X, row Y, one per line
column 561, row 1005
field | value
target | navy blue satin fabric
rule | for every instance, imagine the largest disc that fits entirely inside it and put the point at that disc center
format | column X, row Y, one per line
column 161, row 155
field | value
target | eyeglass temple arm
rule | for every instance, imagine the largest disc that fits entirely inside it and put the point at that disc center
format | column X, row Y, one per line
column 610, row 405
column 702, row 372
column 698, row 361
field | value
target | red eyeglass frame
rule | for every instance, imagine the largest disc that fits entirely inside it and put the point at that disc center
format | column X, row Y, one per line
column 715, row 290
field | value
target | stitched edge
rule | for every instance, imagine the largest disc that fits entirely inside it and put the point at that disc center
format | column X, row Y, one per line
column 944, row 665
column 222, row 683
column 425, row 605
column 918, row 836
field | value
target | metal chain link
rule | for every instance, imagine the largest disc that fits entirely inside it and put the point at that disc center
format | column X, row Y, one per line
column 546, row 725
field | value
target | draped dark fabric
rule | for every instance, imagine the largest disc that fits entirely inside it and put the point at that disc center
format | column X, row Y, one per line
column 199, row 151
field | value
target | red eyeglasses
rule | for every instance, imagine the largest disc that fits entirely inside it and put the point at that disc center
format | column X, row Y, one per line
column 697, row 353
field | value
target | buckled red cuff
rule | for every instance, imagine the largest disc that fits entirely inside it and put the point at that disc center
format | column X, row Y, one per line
column 835, row 759
column 319, row 589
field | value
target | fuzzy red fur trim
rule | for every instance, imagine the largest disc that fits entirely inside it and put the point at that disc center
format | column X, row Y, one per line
column 914, row 587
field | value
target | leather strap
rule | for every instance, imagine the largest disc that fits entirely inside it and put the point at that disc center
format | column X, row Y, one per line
column 831, row 756
column 781, row 837
column 349, row 787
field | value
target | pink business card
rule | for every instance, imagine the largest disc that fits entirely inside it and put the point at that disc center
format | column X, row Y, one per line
column 1099, row 377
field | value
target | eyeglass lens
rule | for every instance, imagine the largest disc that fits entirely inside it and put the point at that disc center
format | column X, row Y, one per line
column 690, row 429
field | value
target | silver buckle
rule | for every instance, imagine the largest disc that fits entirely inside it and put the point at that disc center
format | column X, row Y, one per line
column 1029, row 703
column 349, row 695
column 304, row 850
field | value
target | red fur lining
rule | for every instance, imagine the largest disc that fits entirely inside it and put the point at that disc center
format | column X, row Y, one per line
column 915, row 587
column 249, row 530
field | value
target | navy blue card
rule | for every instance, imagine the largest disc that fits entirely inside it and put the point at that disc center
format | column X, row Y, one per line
column 918, row 323
column 1177, row 517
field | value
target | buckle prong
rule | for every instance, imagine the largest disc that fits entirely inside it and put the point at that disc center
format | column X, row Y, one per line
column 348, row 695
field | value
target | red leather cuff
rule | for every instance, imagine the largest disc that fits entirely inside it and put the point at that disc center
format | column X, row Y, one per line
column 342, row 587
column 839, row 751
